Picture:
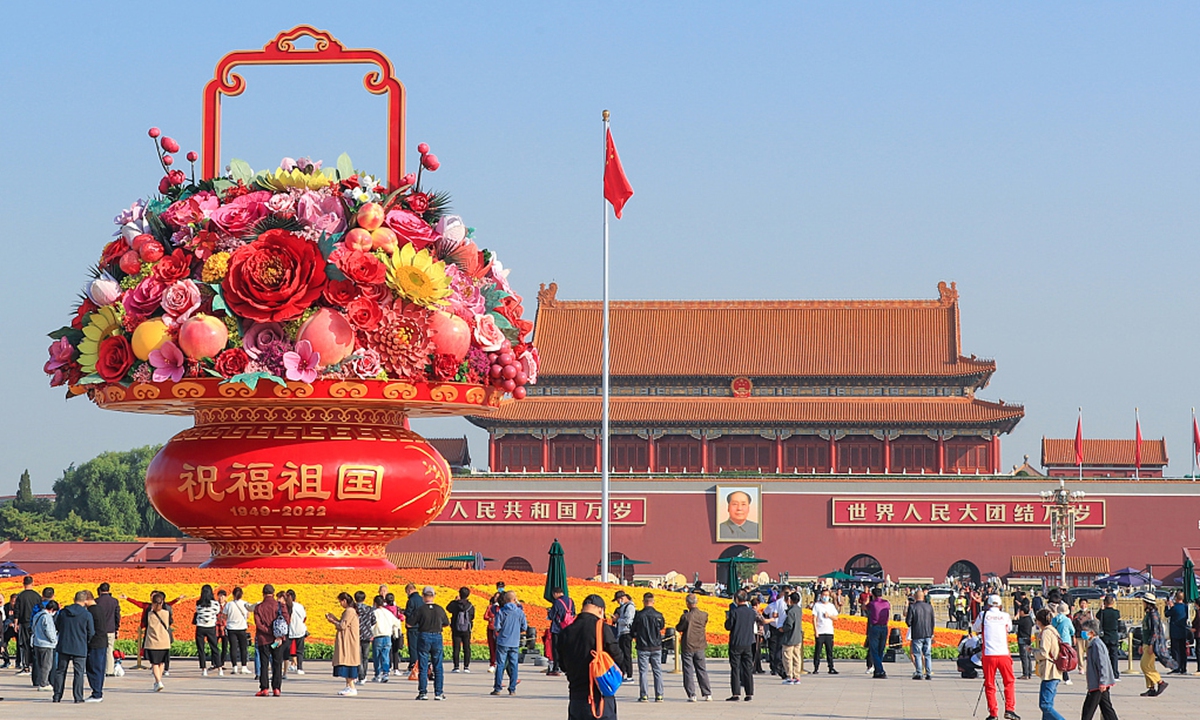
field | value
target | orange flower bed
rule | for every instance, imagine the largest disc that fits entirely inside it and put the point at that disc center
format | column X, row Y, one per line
column 317, row 590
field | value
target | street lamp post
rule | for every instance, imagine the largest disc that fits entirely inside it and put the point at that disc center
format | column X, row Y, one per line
column 1062, row 522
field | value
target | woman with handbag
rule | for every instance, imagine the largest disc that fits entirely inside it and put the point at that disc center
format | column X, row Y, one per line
column 1046, row 653
column 347, row 651
column 157, row 645
column 237, row 616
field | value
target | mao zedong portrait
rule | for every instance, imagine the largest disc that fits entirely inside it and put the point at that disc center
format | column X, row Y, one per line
column 739, row 526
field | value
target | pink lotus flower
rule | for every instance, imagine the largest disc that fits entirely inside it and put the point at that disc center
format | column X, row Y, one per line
column 487, row 334
column 167, row 362
column 321, row 211
column 180, row 301
column 301, row 364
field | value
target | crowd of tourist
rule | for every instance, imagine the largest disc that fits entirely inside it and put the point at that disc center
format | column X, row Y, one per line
column 1054, row 641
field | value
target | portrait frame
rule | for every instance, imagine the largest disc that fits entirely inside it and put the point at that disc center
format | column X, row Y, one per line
column 723, row 527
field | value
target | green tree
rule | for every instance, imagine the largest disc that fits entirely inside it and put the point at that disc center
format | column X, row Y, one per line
column 110, row 489
column 24, row 496
column 18, row 524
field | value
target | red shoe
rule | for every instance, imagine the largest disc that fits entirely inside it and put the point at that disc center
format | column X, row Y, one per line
column 276, row 693
column 262, row 693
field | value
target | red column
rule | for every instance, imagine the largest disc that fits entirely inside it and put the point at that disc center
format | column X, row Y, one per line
column 545, row 453
column 599, row 449
column 492, row 454
column 704, row 453
column 778, row 453
column 941, row 454
column 996, row 453
column 887, row 453
column 832, row 454
column 650, row 452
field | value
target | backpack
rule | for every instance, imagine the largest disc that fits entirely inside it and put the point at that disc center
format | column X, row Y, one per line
column 568, row 613
column 1067, row 659
column 603, row 672
column 462, row 619
column 279, row 627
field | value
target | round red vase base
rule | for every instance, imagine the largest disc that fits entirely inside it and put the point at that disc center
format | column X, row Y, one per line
column 284, row 562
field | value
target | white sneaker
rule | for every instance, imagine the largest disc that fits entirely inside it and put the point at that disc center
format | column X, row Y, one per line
column 299, row 672
column 158, row 686
column 1068, row 682
column 708, row 698
column 491, row 668
column 166, row 673
column 291, row 668
column 204, row 672
column 347, row 691
column 246, row 670
column 467, row 670
column 45, row 688
column 221, row 672
column 691, row 698
column 93, row 699
column 440, row 697
column 455, row 670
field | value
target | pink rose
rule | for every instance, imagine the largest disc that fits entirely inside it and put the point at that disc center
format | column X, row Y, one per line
column 283, row 205
column 366, row 364
column 145, row 298
column 487, row 334
column 264, row 337
column 409, row 227
column 180, row 301
column 239, row 217
column 321, row 212
column 207, row 202
column 529, row 364
column 182, row 213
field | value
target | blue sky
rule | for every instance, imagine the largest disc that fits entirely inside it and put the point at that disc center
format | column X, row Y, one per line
column 1045, row 157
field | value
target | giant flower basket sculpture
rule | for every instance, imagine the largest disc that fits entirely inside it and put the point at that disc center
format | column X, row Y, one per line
column 301, row 315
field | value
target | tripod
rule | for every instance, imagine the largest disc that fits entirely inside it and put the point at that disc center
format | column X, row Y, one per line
column 982, row 687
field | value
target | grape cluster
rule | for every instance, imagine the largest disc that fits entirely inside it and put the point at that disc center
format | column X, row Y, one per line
column 506, row 372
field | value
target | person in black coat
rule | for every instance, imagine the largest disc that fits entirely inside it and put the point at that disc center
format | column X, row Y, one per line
column 75, row 630
column 578, row 642
column 740, row 621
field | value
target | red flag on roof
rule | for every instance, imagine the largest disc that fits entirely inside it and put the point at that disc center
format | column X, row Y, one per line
column 1137, row 445
column 617, row 189
column 1079, row 441
column 1195, row 436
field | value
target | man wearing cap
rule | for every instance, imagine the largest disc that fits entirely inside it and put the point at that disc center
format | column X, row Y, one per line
column 994, row 625
column 578, row 642
column 431, row 620
column 623, row 619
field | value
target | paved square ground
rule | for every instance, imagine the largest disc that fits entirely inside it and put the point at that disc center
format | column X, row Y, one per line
column 852, row 694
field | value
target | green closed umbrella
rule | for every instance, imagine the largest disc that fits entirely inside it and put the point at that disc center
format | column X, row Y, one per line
column 1190, row 594
column 838, row 575
column 556, row 573
column 731, row 577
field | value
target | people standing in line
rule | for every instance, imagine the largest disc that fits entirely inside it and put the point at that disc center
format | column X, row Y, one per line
column 381, row 639
column 346, row 648
column 1025, row 640
column 878, row 611
column 23, row 607
column 431, row 620
column 462, row 621
column 237, row 624
column 75, row 630
column 1046, row 654
column 994, row 626
column 1154, row 646
column 97, row 647
column 1109, row 618
column 692, row 634
column 1177, row 617
column 297, row 631
column 823, row 613
column 156, row 641
column 205, row 620
column 560, row 614
column 412, row 606
column 1099, row 675
column 919, row 618
column 43, row 642
column 510, row 625
column 269, row 636
column 648, row 624
column 741, row 621
column 791, row 640
column 108, row 622
column 623, row 619
column 578, row 646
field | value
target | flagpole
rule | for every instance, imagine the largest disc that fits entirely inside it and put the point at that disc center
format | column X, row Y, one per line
column 1137, row 466
column 1062, row 484
column 1194, row 448
column 604, row 389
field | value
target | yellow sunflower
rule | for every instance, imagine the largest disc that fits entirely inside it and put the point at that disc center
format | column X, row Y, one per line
column 418, row 277
column 281, row 179
column 101, row 324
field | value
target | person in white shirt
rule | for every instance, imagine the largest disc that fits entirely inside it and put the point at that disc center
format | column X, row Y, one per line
column 297, row 631
column 237, row 614
column 776, row 614
column 823, row 612
column 381, row 640
column 994, row 625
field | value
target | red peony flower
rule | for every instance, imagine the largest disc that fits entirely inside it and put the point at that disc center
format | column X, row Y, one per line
column 113, row 252
column 173, row 267
column 231, row 362
column 445, row 367
column 238, row 217
column 417, row 202
column 409, row 227
column 364, row 313
column 114, row 358
column 510, row 309
column 361, row 267
column 182, row 213
column 275, row 278
column 339, row 293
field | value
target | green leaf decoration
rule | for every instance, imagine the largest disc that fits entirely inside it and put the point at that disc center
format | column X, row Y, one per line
column 68, row 332
column 218, row 303
column 240, row 170
column 92, row 379
column 250, row 380
column 494, row 296
column 220, row 185
column 345, row 168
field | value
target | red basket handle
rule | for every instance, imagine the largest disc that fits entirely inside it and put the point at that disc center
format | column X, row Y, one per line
column 282, row 51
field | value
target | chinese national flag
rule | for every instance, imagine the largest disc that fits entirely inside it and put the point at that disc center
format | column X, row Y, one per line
column 1195, row 437
column 617, row 189
column 1079, row 442
column 1137, row 446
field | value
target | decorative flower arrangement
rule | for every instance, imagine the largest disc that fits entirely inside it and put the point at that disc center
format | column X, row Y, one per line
column 298, row 274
